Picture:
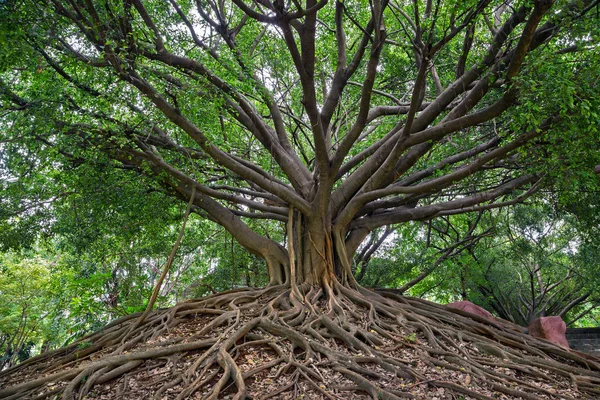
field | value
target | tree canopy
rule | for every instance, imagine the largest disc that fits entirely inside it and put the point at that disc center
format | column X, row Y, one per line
column 336, row 119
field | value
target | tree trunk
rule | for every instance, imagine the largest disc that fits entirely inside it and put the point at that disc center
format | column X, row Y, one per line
column 318, row 254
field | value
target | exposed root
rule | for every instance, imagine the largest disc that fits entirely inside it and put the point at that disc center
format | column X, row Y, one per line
column 283, row 342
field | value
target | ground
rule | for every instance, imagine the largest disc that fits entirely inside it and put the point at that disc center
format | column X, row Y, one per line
column 306, row 343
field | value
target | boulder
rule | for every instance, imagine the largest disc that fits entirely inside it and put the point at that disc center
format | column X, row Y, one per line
column 472, row 308
column 552, row 329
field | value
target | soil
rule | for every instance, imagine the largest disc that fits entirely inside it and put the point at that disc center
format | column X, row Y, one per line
column 306, row 343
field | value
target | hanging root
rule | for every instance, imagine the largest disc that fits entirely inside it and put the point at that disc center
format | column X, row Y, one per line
column 309, row 342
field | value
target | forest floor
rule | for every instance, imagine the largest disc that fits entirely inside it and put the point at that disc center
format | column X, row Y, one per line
column 267, row 344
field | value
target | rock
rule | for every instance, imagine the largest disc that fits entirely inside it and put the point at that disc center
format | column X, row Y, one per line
column 471, row 308
column 552, row 329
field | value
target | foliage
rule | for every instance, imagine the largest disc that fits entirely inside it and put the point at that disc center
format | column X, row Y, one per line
column 539, row 270
column 520, row 264
column 25, row 315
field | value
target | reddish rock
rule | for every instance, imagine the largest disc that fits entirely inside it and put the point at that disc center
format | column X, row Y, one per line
column 472, row 308
column 550, row 328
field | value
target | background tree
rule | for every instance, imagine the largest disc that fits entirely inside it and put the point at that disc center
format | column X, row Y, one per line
column 23, row 312
column 520, row 263
column 423, row 256
column 545, row 272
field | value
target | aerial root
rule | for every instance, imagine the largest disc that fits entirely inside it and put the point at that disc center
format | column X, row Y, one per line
column 320, row 343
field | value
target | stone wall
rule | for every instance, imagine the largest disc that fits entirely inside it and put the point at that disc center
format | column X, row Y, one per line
column 584, row 339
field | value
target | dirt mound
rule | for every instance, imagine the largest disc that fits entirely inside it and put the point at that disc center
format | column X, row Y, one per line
column 304, row 343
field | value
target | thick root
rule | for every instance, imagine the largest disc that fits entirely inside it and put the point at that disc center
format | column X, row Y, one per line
column 283, row 342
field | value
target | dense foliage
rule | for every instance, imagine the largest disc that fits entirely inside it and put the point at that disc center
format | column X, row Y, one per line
column 519, row 263
column 401, row 112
